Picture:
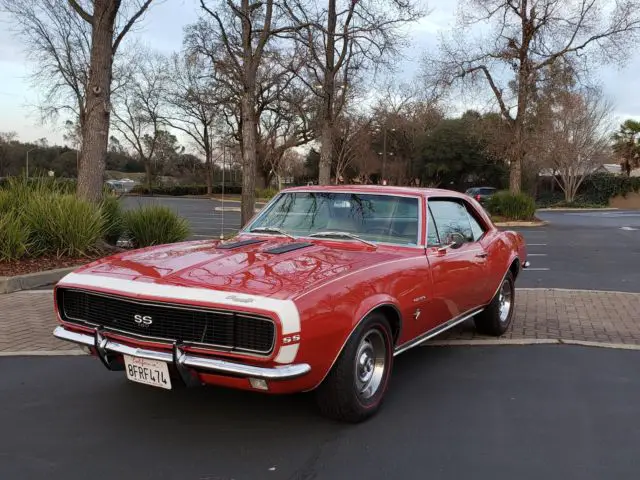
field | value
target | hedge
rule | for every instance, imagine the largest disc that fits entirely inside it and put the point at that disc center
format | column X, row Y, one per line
column 512, row 206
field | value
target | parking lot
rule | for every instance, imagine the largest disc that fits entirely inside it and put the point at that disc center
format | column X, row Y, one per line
column 206, row 217
column 590, row 250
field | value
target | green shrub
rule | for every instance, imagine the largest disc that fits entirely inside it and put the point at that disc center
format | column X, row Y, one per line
column 14, row 237
column 112, row 214
column 267, row 193
column 6, row 202
column 63, row 225
column 512, row 206
column 154, row 225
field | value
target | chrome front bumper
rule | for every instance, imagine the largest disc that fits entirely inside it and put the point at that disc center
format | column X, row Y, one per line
column 180, row 359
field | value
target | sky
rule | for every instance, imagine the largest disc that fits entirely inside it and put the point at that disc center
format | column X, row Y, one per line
column 162, row 29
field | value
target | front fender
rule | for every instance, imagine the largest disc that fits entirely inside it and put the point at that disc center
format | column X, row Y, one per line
column 327, row 322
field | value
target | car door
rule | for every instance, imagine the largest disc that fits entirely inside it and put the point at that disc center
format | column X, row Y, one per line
column 458, row 272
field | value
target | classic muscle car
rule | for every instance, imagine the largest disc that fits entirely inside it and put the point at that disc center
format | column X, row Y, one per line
column 319, row 291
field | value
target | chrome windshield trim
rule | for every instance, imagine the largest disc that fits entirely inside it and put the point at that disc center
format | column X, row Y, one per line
column 246, row 230
column 285, row 372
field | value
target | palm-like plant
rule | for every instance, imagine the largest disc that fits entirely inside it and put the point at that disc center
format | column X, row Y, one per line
column 627, row 146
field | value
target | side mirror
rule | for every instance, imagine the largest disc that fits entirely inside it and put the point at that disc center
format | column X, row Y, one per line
column 456, row 240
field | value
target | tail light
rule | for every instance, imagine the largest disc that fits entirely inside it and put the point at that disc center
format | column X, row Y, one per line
column 478, row 197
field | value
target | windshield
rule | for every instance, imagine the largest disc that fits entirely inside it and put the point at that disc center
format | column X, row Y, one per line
column 376, row 218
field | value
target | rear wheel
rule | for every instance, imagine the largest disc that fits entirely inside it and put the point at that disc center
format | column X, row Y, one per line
column 355, row 386
column 496, row 318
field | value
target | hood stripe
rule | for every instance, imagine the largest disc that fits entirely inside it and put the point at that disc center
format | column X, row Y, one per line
column 286, row 310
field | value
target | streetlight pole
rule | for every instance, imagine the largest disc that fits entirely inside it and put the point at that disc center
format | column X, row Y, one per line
column 26, row 171
column 224, row 158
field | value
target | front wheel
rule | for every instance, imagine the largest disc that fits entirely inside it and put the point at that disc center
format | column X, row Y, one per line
column 496, row 318
column 355, row 387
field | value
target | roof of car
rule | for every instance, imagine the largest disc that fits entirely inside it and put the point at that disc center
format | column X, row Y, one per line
column 382, row 189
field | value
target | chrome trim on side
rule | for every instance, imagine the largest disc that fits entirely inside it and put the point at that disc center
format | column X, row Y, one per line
column 435, row 331
column 214, row 365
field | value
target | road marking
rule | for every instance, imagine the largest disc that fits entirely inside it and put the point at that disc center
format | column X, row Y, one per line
column 579, row 290
column 536, row 254
column 536, row 244
column 537, row 269
column 629, row 229
column 43, row 353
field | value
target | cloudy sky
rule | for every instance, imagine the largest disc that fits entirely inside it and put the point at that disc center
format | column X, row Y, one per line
column 162, row 29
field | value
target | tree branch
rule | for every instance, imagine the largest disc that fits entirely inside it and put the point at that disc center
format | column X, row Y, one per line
column 129, row 24
column 81, row 11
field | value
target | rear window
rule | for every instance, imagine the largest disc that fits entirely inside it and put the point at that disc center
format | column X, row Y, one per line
column 485, row 191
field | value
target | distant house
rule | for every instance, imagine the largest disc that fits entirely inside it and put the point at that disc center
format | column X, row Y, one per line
column 612, row 168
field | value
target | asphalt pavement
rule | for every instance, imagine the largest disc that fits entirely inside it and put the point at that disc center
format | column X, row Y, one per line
column 551, row 412
column 594, row 250
column 205, row 216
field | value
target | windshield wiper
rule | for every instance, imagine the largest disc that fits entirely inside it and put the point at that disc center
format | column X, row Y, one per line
column 342, row 234
column 272, row 230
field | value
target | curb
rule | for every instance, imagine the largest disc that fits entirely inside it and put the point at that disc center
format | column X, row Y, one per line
column 234, row 201
column 569, row 209
column 530, row 341
column 521, row 224
column 232, row 209
column 44, row 353
column 33, row 280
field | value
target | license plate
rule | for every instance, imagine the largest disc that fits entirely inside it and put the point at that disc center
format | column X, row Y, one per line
column 149, row 372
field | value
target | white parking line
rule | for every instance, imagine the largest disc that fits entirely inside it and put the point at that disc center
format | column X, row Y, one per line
column 536, row 269
column 536, row 254
column 536, row 244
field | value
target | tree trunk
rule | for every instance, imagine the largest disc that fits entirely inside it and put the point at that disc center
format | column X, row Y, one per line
column 249, row 157
column 148, row 173
column 208, row 172
column 326, row 154
column 95, row 131
column 517, row 154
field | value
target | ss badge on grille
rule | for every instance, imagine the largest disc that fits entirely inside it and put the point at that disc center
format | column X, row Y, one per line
column 143, row 320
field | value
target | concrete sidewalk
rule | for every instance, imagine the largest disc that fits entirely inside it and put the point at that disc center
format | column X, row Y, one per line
column 27, row 320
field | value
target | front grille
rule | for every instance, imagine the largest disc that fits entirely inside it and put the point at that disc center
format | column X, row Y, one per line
column 218, row 328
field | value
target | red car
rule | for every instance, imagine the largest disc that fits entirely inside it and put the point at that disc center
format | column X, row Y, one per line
column 318, row 292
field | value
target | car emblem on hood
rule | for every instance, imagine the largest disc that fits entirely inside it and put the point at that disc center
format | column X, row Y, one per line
column 235, row 298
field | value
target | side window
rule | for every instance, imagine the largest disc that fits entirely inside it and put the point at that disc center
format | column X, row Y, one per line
column 451, row 217
column 476, row 228
column 433, row 240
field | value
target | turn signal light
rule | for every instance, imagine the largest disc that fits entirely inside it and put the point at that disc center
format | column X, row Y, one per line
column 259, row 383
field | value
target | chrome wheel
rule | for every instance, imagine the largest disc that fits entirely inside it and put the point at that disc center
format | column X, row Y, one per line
column 504, row 301
column 370, row 364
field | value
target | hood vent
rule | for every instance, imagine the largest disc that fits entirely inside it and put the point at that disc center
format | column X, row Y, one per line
column 289, row 247
column 238, row 244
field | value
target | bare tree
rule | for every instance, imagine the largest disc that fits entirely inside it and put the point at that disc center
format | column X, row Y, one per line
column 138, row 108
column 286, row 120
column 104, row 45
column 194, row 107
column 343, row 40
column 577, row 137
column 528, row 36
column 352, row 140
column 244, row 32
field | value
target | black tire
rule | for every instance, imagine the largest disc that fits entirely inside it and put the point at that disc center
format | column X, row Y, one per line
column 490, row 321
column 338, row 396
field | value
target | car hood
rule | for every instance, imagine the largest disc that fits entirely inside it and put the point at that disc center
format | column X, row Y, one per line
column 249, row 269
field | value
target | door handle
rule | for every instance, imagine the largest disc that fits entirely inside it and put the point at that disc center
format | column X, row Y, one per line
column 482, row 255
